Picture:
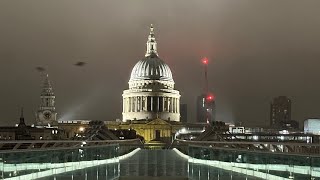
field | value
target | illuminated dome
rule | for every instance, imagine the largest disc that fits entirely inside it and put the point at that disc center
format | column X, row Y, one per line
column 151, row 94
column 151, row 68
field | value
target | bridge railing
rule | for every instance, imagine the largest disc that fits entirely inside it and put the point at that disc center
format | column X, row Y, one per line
column 47, row 144
column 210, row 158
column 284, row 147
column 36, row 159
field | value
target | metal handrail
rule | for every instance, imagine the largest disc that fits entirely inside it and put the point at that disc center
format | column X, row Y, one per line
column 260, row 152
column 246, row 143
column 60, row 144
column 208, row 145
column 65, row 141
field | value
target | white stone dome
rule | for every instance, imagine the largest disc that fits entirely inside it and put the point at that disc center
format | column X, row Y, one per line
column 151, row 92
column 151, row 68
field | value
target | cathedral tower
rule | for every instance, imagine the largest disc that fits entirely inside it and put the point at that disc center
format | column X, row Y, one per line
column 46, row 114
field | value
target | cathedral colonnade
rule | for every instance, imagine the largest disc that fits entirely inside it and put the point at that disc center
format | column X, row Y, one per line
column 151, row 103
column 142, row 105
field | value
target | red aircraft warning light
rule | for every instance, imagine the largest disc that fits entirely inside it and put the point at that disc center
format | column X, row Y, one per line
column 210, row 98
column 205, row 60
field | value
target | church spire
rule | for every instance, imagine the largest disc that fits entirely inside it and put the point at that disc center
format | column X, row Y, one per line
column 46, row 113
column 47, row 83
column 47, row 88
column 21, row 116
column 47, row 94
column 151, row 43
column 21, row 123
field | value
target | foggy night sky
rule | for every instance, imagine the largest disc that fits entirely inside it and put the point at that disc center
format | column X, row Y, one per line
column 257, row 50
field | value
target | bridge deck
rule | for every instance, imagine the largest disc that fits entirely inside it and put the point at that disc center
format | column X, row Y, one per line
column 152, row 165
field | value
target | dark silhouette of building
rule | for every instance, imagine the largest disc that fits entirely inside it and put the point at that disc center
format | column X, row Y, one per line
column 280, row 112
column 183, row 113
column 124, row 133
column 206, row 108
column 213, row 132
column 96, row 131
column 22, row 132
column 292, row 124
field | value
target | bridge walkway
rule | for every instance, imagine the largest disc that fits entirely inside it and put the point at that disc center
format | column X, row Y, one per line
column 154, row 163
column 167, row 164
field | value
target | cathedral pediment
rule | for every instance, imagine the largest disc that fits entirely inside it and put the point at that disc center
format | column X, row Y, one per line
column 158, row 122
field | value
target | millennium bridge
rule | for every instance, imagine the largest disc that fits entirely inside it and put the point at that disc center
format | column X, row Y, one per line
column 183, row 159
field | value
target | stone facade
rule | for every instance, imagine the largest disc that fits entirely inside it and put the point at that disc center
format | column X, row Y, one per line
column 154, row 130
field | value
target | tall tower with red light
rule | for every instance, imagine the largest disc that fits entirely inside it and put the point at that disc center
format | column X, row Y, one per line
column 205, row 62
column 206, row 101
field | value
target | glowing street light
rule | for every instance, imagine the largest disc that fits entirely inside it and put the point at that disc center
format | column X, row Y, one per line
column 81, row 129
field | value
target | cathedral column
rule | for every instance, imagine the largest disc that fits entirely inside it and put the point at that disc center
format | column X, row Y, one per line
column 138, row 103
column 151, row 103
column 158, row 104
column 129, row 105
column 163, row 104
column 132, row 104
column 171, row 105
column 167, row 104
column 142, row 103
column 124, row 105
column 145, row 103
column 148, row 102
column 178, row 104
column 174, row 104
column 135, row 104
